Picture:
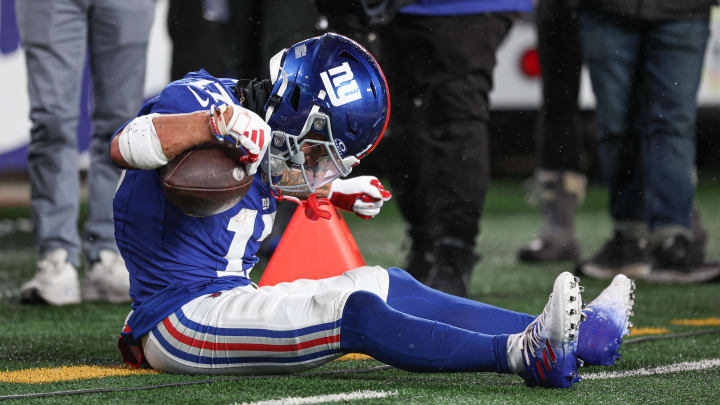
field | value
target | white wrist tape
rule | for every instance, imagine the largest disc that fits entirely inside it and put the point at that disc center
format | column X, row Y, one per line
column 140, row 146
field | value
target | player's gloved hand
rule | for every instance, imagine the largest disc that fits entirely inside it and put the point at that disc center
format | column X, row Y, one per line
column 245, row 130
column 363, row 195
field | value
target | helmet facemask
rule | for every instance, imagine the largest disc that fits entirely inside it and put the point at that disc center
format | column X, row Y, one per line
column 312, row 157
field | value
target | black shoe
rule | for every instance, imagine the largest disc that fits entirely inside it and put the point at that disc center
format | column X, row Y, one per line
column 678, row 260
column 451, row 272
column 620, row 255
column 543, row 250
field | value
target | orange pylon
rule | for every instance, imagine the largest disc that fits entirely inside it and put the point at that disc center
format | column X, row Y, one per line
column 313, row 250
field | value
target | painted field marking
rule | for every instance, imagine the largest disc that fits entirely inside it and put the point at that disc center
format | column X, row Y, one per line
column 354, row 356
column 712, row 321
column 55, row 374
column 668, row 369
column 635, row 331
column 348, row 396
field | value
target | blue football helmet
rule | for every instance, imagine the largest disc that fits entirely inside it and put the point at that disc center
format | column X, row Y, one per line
column 329, row 108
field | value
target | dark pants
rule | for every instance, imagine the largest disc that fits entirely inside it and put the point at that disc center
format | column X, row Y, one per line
column 645, row 76
column 440, row 71
column 242, row 45
column 559, row 144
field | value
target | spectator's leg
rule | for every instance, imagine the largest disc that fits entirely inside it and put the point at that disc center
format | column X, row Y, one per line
column 560, row 143
column 674, row 55
column 559, row 182
column 404, row 145
column 54, row 38
column 119, row 32
column 611, row 49
column 458, row 109
column 447, row 91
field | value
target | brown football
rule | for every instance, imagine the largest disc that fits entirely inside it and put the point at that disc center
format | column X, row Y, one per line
column 203, row 182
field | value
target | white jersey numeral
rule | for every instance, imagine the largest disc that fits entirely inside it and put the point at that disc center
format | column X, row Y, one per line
column 243, row 225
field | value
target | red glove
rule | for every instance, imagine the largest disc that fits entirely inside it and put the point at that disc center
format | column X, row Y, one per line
column 363, row 195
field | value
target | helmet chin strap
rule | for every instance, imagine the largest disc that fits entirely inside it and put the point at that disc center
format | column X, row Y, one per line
column 281, row 91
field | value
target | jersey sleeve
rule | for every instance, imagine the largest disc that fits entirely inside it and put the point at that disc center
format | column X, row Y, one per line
column 197, row 91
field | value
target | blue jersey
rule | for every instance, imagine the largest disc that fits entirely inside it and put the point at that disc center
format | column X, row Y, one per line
column 464, row 7
column 172, row 257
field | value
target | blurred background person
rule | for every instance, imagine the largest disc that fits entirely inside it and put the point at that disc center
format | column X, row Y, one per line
column 440, row 57
column 57, row 36
column 441, row 63
column 645, row 60
column 559, row 183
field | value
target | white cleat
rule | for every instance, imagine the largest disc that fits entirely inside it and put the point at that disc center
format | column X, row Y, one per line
column 608, row 320
column 107, row 279
column 55, row 281
column 544, row 354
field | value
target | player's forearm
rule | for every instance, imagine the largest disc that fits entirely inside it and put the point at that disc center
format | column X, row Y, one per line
column 176, row 133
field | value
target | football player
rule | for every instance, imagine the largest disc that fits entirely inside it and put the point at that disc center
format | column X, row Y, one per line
column 194, row 308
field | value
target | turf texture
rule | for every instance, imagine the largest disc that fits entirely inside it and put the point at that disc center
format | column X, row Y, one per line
column 34, row 336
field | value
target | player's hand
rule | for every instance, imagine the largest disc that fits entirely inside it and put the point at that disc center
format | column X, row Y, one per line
column 246, row 130
column 363, row 195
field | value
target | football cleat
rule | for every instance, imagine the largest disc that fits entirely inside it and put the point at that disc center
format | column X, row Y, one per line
column 107, row 280
column 55, row 282
column 608, row 320
column 548, row 344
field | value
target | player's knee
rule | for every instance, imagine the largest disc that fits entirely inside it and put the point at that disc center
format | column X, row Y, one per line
column 401, row 275
column 363, row 300
column 362, row 314
column 360, row 307
column 401, row 282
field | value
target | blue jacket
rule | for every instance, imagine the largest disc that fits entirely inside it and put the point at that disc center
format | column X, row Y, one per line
column 462, row 7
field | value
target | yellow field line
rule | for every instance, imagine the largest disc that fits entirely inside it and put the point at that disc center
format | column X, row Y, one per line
column 55, row 374
column 713, row 321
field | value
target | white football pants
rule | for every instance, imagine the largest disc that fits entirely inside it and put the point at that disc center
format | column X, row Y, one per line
column 285, row 328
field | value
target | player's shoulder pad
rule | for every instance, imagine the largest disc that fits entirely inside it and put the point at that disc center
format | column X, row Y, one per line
column 196, row 91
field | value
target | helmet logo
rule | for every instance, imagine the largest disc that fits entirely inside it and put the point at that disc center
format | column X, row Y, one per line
column 300, row 51
column 341, row 148
column 344, row 88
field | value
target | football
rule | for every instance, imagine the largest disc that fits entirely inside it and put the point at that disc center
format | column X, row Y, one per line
column 203, row 182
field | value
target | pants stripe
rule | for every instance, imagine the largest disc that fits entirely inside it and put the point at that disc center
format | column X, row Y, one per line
column 206, row 345
column 203, row 344
column 237, row 361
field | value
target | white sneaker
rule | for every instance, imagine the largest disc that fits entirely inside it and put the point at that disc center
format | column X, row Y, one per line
column 55, row 281
column 544, row 354
column 107, row 279
column 608, row 320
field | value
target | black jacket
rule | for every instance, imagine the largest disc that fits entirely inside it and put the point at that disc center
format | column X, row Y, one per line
column 654, row 10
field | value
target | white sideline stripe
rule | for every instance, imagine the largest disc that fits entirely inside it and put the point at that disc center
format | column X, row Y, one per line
column 324, row 398
column 671, row 368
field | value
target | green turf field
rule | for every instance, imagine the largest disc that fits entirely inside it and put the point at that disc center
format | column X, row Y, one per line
column 33, row 336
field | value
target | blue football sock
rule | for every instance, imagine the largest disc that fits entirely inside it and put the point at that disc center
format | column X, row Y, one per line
column 409, row 296
column 410, row 343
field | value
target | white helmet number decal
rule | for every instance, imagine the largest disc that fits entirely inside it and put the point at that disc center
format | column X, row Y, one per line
column 343, row 88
